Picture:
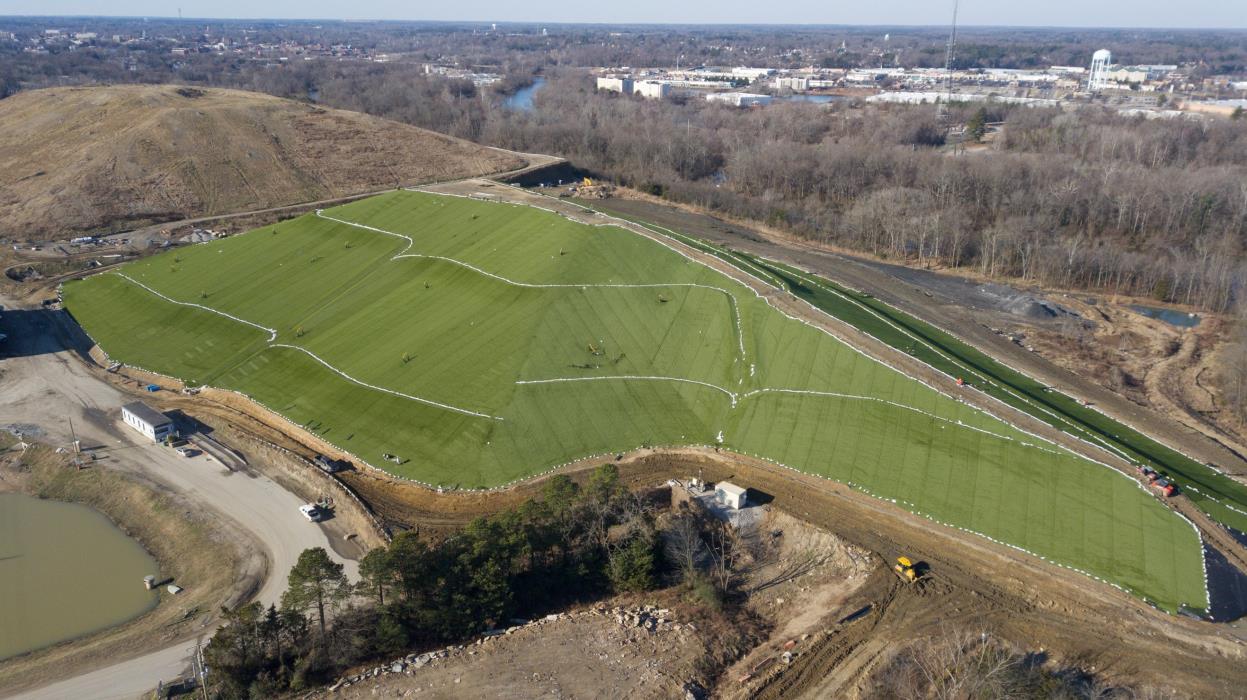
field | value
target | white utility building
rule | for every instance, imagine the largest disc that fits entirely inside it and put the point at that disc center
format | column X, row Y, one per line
column 730, row 495
column 147, row 420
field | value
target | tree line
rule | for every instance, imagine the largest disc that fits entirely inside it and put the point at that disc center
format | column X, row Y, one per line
column 1078, row 200
column 573, row 543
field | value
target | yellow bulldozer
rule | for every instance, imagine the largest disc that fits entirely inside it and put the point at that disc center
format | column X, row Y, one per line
column 907, row 569
column 594, row 189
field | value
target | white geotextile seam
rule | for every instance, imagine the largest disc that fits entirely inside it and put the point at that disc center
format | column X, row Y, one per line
column 735, row 398
column 272, row 334
column 271, row 344
column 349, row 378
column 740, row 332
column 559, row 380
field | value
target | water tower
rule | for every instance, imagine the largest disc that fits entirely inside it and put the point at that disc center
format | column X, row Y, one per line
column 1097, row 80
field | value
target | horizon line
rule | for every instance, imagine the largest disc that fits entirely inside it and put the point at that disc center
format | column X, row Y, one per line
column 342, row 20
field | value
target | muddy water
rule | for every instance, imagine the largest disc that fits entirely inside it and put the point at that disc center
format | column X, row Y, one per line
column 65, row 571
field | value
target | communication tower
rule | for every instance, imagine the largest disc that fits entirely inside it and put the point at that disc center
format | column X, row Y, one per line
column 949, row 54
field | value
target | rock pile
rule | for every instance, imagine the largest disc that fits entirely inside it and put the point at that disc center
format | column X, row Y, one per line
column 651, row 619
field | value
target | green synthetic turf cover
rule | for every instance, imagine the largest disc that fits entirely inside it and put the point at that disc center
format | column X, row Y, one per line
column 498, row 341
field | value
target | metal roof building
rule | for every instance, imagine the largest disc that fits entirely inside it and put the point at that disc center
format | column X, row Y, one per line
column 155, row 425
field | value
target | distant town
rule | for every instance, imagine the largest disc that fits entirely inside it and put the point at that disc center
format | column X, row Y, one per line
column 874, row 68
column 1151, row 90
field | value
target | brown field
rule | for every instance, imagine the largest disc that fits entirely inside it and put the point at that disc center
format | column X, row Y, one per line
column 98, row 159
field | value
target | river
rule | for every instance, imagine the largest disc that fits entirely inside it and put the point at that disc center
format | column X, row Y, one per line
column 523, row 98
column 65, row 571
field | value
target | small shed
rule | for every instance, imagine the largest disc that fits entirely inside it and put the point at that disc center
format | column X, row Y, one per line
column 730, row 495
column 155, row 425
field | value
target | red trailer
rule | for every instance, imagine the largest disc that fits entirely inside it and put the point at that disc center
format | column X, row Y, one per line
column 1165, row 488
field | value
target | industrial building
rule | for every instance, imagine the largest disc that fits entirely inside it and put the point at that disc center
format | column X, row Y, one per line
column 614, row 84
column 653, row 89
column 797, row 84
column 917, row 98
column 740, row 99
column 155, row 425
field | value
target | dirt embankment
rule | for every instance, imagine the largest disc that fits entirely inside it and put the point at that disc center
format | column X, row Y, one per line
column 792, row 580
column 211, row 560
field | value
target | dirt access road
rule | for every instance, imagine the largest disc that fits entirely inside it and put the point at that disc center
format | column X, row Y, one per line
column 44, row 387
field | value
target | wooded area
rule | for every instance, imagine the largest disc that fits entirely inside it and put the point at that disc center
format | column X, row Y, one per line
column 1083, row 200
column 572, row 544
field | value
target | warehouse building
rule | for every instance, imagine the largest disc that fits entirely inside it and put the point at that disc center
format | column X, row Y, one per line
column 651, row 89
column 796, row 84
column 155, row 425
column 740, row 99
column 612, row 84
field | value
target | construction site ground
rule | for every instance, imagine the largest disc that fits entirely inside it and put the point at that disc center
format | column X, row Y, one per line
column 579, row 655
column 798, row 577
column 974, row 583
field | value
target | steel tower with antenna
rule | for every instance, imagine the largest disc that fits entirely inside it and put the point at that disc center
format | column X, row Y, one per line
column 949, row 54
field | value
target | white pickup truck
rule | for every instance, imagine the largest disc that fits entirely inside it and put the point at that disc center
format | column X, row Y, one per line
column 312, row 512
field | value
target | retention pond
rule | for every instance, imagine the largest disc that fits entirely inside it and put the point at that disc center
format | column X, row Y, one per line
column 65, row 571
column 1171, row 316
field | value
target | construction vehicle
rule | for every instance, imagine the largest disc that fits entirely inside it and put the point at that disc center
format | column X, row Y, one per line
column 907, row 569
column 592, row 189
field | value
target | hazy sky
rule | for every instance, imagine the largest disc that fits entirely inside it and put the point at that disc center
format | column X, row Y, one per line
column 1065, row 13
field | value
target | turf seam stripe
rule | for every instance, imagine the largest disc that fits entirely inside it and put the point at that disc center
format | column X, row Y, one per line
column 399, row 394
column 740, row 336
column 272, row 332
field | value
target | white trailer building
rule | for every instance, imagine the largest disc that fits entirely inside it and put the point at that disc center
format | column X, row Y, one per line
column 147, row 420
column 730, row 495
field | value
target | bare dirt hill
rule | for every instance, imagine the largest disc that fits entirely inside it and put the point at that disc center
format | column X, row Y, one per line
column 87, row 160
